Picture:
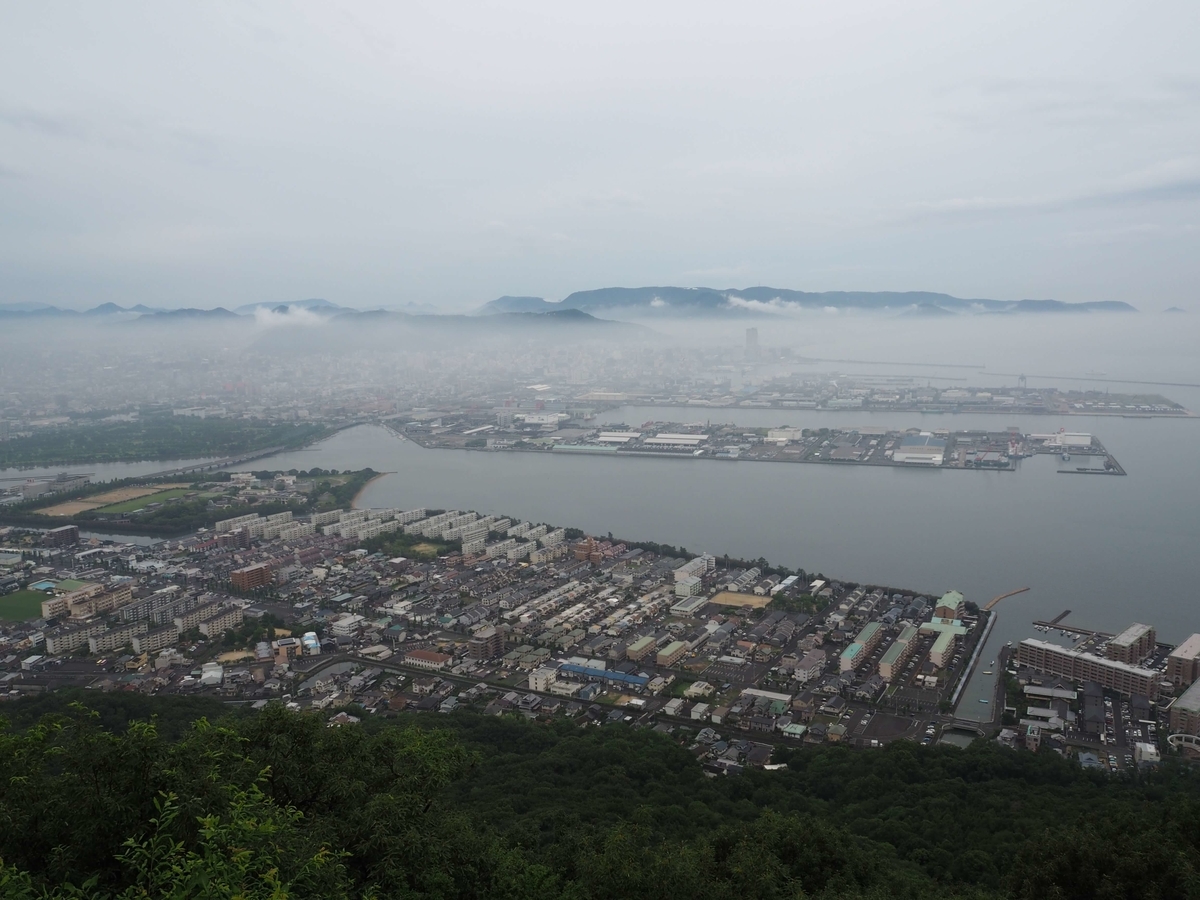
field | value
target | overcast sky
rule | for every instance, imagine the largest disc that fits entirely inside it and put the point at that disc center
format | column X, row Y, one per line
column 182, row 154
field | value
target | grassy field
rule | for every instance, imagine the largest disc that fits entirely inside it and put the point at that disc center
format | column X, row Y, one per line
column 21, row 606
column 131, row 505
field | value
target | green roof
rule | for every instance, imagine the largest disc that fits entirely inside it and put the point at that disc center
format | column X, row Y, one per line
column 951, row 598
column 868, row 632
column 893, row 653
column 944, row 640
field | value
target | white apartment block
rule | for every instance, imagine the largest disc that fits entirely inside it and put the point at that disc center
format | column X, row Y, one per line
column 500, row 548
column 557, row 536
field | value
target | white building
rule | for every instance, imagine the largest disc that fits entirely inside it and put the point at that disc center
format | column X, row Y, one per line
column 346, row 625
column 541, row 679
column 920, row 449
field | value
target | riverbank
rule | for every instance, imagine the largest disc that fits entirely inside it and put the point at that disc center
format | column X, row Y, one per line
column 361, row 490
column 159, row 438
column 947, row 410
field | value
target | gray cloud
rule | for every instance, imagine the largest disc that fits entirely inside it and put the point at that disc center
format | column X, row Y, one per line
column 378, row 153
column 47, row 124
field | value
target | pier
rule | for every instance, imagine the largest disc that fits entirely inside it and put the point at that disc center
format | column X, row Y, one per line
column 1057, row 623
column 992, row 603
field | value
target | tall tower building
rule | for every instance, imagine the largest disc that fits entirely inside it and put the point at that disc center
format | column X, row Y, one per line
column 751, row 343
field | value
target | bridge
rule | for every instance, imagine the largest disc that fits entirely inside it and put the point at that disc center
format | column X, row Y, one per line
column 967, row 725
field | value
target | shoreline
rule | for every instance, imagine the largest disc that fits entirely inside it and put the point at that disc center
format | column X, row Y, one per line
column 869, row 410
column 218, row 462
column 1118, row 470
column 361, row 490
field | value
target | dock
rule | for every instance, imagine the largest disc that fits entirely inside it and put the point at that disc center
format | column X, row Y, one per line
column 1057, row 622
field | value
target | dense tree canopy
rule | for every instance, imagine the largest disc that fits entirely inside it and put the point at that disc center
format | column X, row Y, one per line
column 110, row 803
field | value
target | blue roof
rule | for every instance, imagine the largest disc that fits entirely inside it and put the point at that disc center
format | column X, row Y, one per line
column 638, row 680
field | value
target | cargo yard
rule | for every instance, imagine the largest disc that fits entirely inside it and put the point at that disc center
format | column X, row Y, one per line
column 861, row 446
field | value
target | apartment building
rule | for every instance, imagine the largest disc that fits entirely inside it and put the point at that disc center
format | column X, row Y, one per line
column 894, row 658
column 70, row 638
column 155, row 639
column 116, row 638
column 1183, row 663
column 1133, row 644
column 1080, row 666
column 221, row 621
column 671, row 654
column 248, row 578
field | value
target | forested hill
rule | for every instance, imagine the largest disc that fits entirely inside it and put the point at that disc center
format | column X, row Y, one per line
column 277, row 804
column 154, row 437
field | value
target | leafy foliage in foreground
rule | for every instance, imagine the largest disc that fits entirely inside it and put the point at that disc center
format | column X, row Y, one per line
column 277, row 805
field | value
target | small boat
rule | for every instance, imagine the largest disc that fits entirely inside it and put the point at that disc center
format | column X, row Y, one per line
column 987, row 672
column 1008, row 643
column 985, row 701
column 1066, row 457
column 992, row 663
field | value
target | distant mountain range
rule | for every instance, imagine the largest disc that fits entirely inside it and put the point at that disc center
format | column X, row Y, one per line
column 43, row 310
column 599, row 305
column 378, row 326
column 769, row 301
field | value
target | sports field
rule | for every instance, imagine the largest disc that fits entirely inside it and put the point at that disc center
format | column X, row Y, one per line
column 21, row 606
column 735, row 598
column 113, row 497
column 129, row 506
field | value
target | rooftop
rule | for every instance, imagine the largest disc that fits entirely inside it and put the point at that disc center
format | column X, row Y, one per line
column 1091, row 657
column 922, row 440
column 1190, row 701
column 1189, row 649
column 1131, row 634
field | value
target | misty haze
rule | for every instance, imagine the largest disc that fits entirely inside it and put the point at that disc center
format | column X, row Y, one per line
column 673, row 451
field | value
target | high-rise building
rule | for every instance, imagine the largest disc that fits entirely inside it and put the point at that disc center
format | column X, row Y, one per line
column 63, row 536
column 486, row 643
column 249, row 577
column 1133, row 644
column 1183, row 663
column 1185, row 712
